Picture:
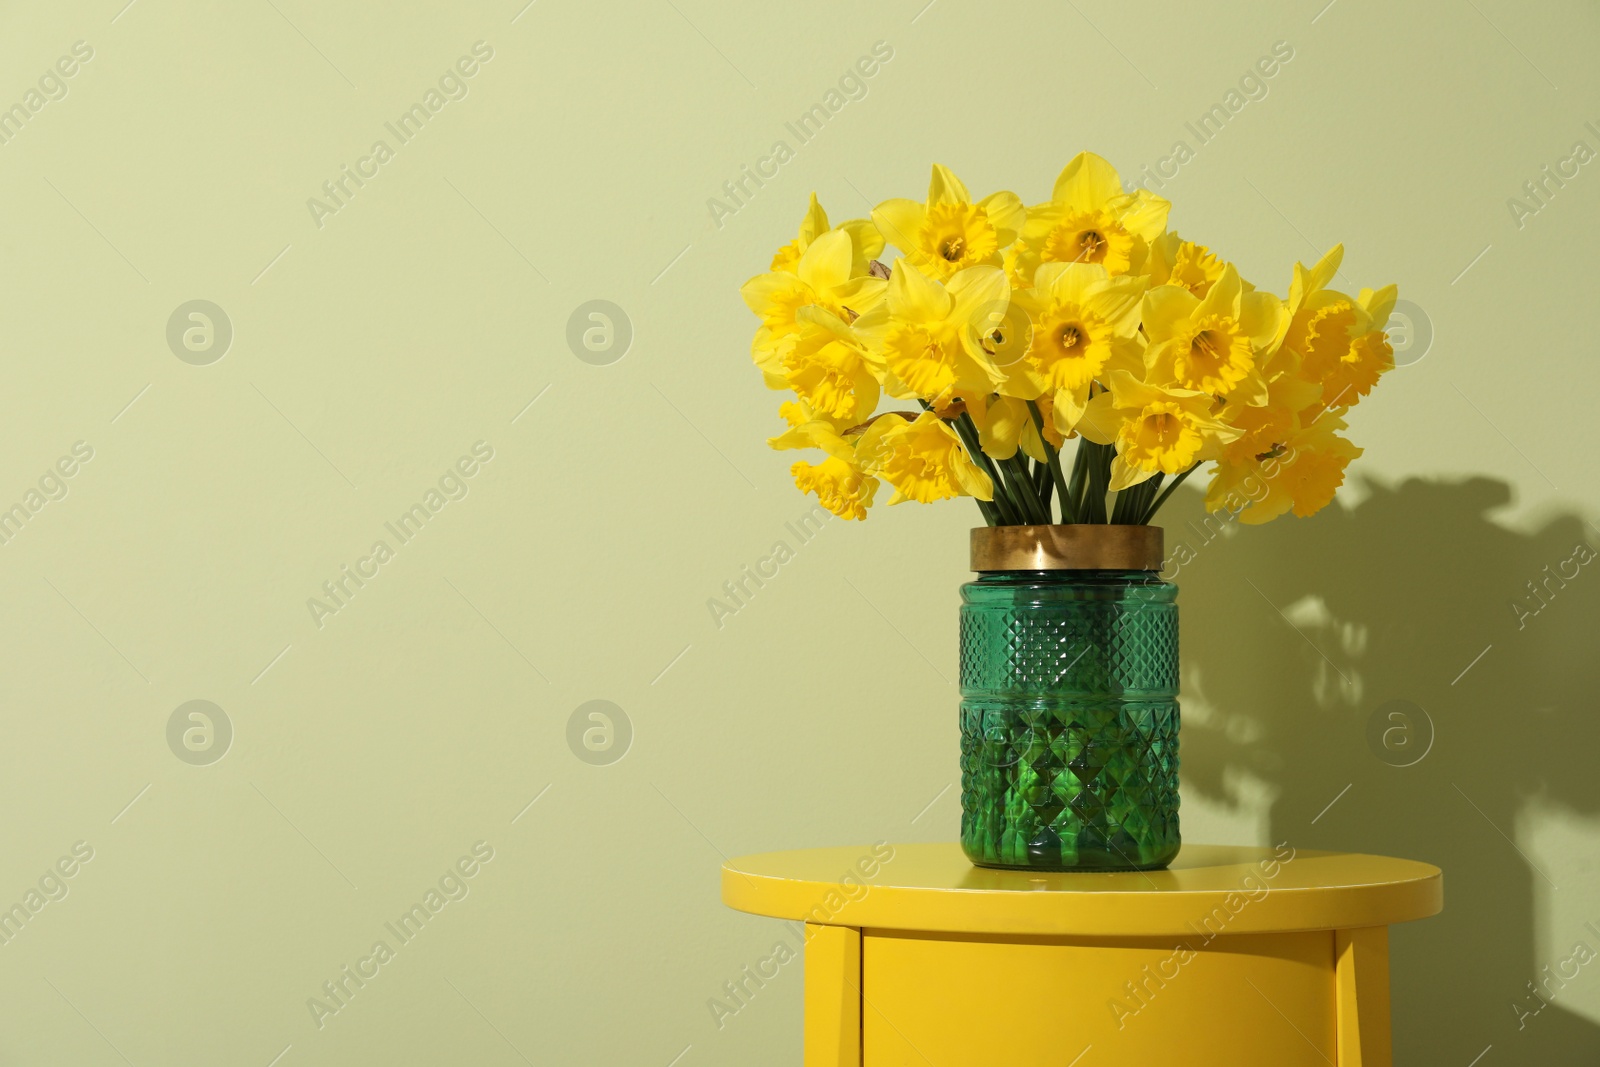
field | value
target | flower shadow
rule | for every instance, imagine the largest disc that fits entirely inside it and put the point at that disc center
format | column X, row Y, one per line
column 1370, row 670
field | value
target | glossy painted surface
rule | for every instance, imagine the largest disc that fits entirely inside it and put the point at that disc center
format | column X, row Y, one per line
column 1362, row 995
column 833, row 996
column 1238, row 889
column 1233, row 955
column 1244, row 1000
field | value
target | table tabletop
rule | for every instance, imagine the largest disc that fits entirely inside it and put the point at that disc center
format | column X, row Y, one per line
column 1218, row 888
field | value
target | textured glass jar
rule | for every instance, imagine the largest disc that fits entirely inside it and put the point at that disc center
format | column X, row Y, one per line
column 1069, row 719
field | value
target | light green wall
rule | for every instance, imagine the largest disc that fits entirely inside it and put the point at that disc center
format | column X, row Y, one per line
column 427, row 312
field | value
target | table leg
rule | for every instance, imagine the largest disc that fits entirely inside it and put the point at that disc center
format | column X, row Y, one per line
column 833, row 996
column 1361, row 961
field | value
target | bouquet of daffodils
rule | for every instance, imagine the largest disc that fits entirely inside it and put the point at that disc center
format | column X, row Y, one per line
column 1002, row 331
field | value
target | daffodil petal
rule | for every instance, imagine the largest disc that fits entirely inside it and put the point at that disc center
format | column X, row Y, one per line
column 1086, row 183
column 1252, row 392
column 1224, row 296
column 980, row 297
column 1379, row 305
column 871, row 447
column 1124, row 474
column 1032, row 444
column 1006, row 214
column 1165, row 306
column 915, row 296
column 1118, row 301
column 1069, row 408
column 761, row 291
column 1142, row 213
column 899, row 221
column 1069, row 283
column 1099, row 423
column 1276, row 503
column 1259, row 314
column 813, row 315
column 1326, row 267
column 945, row 188
column 866, row 240
column 1129, row 391
column 826, row 263
column 815, row 222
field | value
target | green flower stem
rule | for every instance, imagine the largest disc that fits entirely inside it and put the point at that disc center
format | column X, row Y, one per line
column 1005, row 493
column 1132, row 501
column 1053, row 458
column 1150, row 512
column 1107, row 452
column 1123, row 503
column 1034, row 506
column 1072, row 502
column 1003, row 486
column 1099, row 479
column 1091, row 460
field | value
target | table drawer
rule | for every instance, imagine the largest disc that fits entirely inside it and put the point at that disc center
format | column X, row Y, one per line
column 1239, row 1000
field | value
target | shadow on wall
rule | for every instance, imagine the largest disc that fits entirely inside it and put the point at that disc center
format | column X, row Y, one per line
column 1297, row 636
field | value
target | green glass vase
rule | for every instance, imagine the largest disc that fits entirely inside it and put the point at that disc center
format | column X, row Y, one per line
column 1069, row 719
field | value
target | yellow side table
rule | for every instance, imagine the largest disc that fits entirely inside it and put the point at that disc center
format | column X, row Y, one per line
column 1233, row 956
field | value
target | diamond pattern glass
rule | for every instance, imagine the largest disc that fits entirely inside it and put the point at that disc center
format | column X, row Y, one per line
column 1069, row 720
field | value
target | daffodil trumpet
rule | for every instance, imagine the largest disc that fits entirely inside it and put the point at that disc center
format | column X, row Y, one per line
column 1014, row 329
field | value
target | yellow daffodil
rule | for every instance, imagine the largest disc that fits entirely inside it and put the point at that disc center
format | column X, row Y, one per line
column 838, row 482
column 827, row 367
column 1017, row 329
column 1315, row 472
column 865, row 241
column 1266, row 427
column 1320, row 320
column 1052, row 433
column 821, row 280
column 1005, row 424
column 926, row 339
column 1300, row 475
column 801, row 432
column 1369, row 356
column 1210, row 344
column 1337, row 340
column 1174, row 261
column 1084, row 325
column 1156, row 429
column 922, row 459
column 950, row 233
column 805, row 342
column 1089, row 219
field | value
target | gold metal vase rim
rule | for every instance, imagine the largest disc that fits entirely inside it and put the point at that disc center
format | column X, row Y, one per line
column 1071, row 547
